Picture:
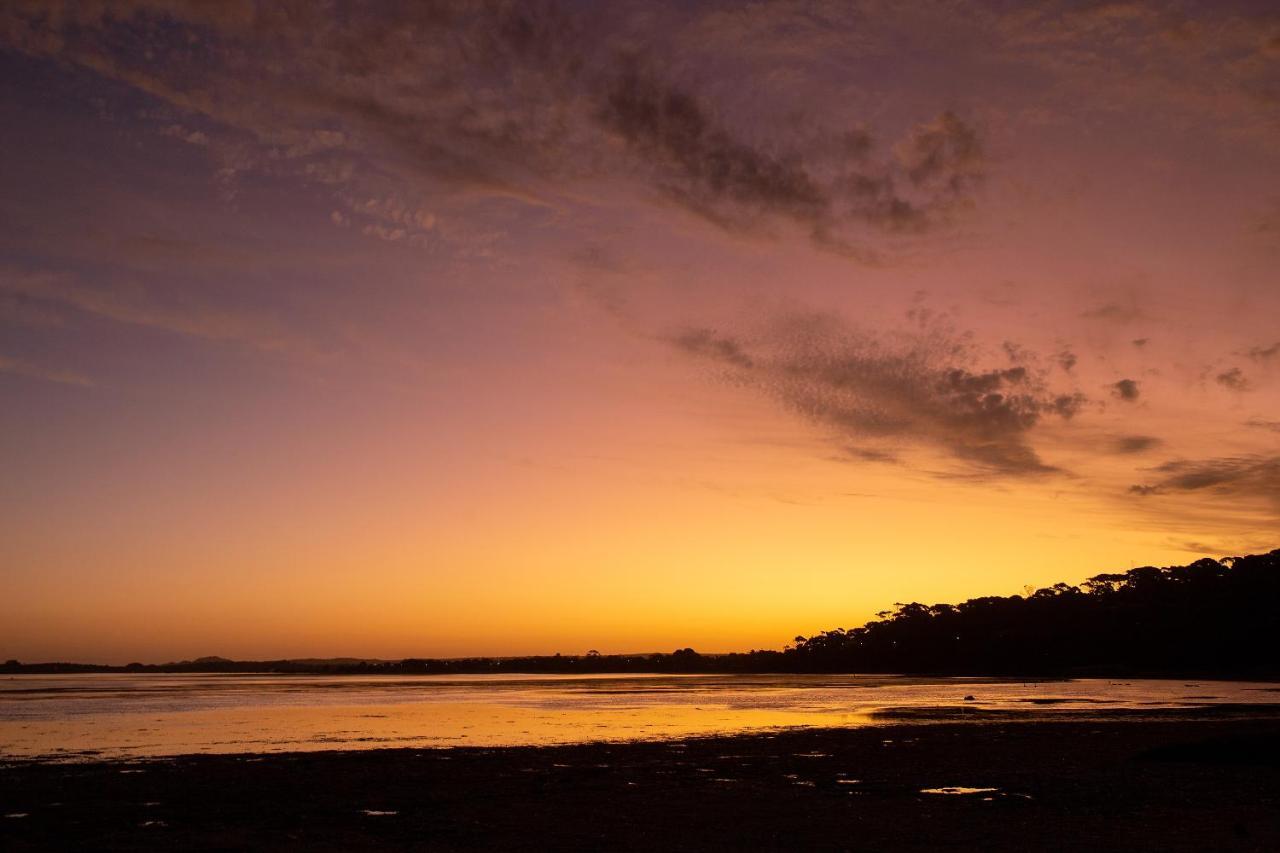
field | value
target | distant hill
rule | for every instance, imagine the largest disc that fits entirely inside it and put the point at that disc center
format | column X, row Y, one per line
column 1212, row 618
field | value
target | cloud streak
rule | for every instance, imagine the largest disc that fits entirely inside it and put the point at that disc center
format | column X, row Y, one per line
column 1252, row 477
column 1131, row 444
column 20, row 367
column 133, row 306
column 698, row 162
column 1233, row 380
column 922, row 390
column 517, row 100
column 1264, row 354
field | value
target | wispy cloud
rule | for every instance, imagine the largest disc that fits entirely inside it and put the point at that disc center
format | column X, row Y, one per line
column 1264, row 353
column 1130, row 444
column 1233, row 380
column 703, row 166
column 21, row 367
column 1117, row 312
column 134, row 306
column 1253, row 476
column 513, row 100
column 1260, row 423
column 923, row 389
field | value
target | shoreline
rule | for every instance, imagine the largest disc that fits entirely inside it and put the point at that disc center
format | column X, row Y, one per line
column 485, row 667
column 1047, row 710
column 85, row 717
column 1169, row 782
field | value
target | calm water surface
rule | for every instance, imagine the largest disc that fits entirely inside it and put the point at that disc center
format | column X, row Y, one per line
column 74, row 717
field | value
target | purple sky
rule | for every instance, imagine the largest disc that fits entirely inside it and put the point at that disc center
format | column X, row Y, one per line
column 426, row 329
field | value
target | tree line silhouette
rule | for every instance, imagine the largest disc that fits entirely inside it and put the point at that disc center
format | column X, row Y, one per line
column 1212, row 617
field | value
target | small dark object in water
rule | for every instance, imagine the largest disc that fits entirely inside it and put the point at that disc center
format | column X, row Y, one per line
column 969, row 698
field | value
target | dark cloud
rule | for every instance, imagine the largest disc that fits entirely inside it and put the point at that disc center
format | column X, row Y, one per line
column 1239, row 476
column 707, row 343
column 1261, row 353
column 715, row 173
column 1067, row 360
column 516, row 99
column 1136, row 443
column 1233, row 380
column 699, row 161
column 1125, row 389
column 924, row 390
column 1067, row 406
column 1139, row 342
column 1018, row 354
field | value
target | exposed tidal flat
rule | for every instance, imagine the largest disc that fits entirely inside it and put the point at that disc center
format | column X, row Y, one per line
column 702, row 762
column 124, row 716
column 1210, row 781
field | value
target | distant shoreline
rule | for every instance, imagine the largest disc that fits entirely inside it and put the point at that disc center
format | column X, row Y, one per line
column 604, row 665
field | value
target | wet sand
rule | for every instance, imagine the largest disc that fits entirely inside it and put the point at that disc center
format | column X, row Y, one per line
column 1170, row 783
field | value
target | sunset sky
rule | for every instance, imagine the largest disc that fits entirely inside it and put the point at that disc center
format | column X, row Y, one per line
column 418, row 329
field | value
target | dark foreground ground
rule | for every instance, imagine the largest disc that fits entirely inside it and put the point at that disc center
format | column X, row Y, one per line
column 1166, row 784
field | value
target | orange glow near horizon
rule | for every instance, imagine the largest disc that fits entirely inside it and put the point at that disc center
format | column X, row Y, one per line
column 751, row 337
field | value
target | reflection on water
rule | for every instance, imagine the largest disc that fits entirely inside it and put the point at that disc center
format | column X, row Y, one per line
column 126, row 715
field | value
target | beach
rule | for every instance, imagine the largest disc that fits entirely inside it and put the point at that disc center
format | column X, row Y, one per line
column 1172, row 780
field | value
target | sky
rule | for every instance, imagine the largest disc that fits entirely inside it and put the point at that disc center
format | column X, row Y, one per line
column 436, row 329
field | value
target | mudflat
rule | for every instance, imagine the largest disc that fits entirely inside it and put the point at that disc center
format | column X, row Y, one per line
column 1159, row 783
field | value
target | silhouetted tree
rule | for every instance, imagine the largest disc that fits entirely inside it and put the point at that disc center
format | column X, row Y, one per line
column 1212, row 617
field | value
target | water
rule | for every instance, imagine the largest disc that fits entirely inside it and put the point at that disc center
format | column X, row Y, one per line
column 78, row 717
